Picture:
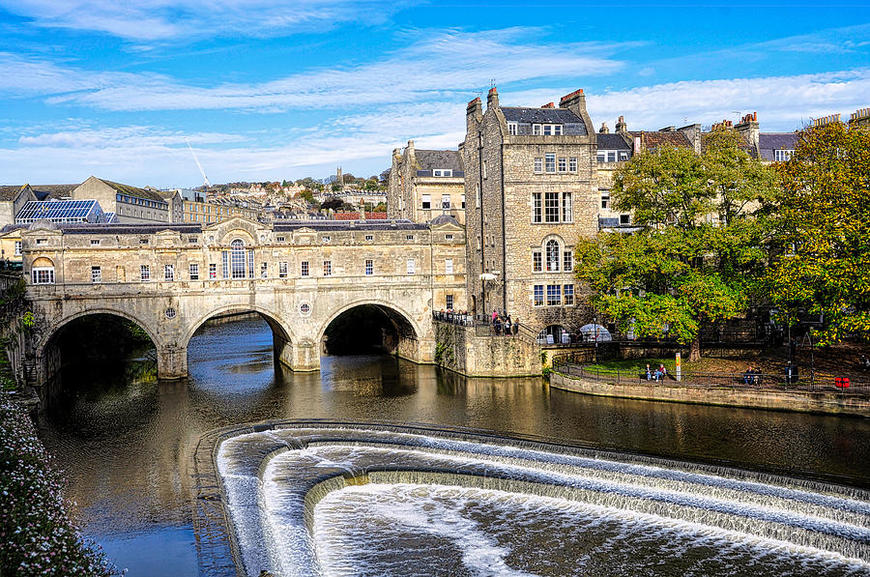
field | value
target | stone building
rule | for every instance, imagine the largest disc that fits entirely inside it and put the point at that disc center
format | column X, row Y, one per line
column 129, row 204
column 12, row 200
column 531, row 190
column 424, row 184
column 614, row 150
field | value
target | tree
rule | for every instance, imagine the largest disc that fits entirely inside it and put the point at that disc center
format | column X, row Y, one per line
column 821, row 247
column 699, row 249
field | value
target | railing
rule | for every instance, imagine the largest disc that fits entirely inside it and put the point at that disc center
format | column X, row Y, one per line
column 845, row 384
column 484, row 327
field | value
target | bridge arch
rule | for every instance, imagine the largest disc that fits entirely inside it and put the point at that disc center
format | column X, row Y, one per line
column 407, row 328
column 276, row 323
column 54, row 355
column 55, row 327
column 285, row 343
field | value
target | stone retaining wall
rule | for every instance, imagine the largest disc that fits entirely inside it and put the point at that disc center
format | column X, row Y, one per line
column 829, row 402
column 459, row 349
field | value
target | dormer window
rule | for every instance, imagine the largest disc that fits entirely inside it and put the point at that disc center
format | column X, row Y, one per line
column 782, row 155
column 442, row 172
column 547, row 129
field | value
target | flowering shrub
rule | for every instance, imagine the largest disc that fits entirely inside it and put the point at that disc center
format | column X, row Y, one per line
column 36, row 534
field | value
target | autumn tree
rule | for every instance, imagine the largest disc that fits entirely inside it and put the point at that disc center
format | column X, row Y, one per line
column 821, row 252
column 699, row 247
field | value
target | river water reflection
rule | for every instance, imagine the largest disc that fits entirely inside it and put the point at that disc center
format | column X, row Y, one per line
column 126, row 446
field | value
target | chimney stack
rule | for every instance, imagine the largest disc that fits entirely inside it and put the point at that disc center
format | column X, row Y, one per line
column 549, row 105
column 473, row 114
column 860, row 117
column 603, row 129
column 749, row 130
column 621, row 126
column 492, row 98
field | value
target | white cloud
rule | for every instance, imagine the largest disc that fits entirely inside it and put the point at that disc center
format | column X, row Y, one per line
column 438, row 66
column 782, row 102
column 162, row 20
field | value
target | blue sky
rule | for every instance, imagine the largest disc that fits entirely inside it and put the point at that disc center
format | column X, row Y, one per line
column 266, row 90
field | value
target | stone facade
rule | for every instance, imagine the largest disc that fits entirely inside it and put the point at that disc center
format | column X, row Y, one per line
column 130, row 204
column 425, row 184
column 529, row 186
column 171, row 279
column 12, row 200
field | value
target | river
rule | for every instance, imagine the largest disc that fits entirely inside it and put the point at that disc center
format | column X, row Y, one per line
column 125, row 442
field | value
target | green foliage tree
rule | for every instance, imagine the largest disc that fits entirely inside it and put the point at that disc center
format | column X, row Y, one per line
column 821, row 251
column 699, row 247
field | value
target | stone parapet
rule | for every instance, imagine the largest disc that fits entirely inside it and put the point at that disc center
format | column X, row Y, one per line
column 827, row 402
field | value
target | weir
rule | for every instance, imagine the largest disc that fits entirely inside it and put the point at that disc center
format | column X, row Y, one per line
column 304, row 499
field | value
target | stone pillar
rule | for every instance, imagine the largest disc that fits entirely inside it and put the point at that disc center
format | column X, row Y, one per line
column 302, row 357
column 171, row 362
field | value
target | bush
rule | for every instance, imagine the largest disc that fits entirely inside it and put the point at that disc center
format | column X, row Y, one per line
column 36, row 534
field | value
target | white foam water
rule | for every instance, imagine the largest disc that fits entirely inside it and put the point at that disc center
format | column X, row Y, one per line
column 309, row 501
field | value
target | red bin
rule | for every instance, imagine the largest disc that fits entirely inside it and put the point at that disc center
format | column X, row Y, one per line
column 841, row 382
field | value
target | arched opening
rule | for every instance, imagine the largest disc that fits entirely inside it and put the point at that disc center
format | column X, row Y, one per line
column 237, row 346
column 369, row 329
column 95, row 353
column 554, row 335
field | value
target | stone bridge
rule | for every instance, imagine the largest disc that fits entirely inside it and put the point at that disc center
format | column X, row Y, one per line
column 170, row 279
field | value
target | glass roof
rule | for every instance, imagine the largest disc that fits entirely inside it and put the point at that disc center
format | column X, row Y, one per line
column 58, row 210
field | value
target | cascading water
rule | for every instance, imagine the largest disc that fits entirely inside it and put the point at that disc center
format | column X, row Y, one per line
column 307, row 500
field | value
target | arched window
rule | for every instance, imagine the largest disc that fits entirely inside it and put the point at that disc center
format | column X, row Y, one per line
column 42, row 271
column 553, row 252
column 237, row 258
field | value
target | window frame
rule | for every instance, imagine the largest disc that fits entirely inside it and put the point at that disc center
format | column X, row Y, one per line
column 327, row 268
column 144, row 273
column 282, row 269
column 550, row 162
column 193, row 270
column 304, row 268
column 554, row 295
column 369, row 267
column 538, row 295
column 169, row 273
column 38, row 272
column 96, row 275
column 448, row 266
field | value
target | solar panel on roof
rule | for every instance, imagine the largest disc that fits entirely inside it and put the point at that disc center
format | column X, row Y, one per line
column 58, row 211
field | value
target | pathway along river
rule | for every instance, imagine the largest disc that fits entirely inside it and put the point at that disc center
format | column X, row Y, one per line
column 125, row 443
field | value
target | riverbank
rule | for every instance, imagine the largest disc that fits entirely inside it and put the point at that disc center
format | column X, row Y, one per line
column 37, row 536
column 819, row 402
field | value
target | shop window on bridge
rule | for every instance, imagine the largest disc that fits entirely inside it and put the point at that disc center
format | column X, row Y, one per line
column 169, row 272
column 144, row 273
column 212, row 270
column 282, row 270
column 42, row 271
column 194, row 271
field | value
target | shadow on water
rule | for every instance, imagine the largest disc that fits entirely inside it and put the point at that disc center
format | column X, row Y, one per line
column 126, row 442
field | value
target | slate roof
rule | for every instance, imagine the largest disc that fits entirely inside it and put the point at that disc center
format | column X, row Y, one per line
column 444, row 219
column 9, row 192
column 431, row 159
column 523, row 115
column 770, row 141
column 74, row 228
column 53, row 191
column 327, row 225
column 540, row 115
column 133, row 190
column 612, row 142
column 653, row 140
